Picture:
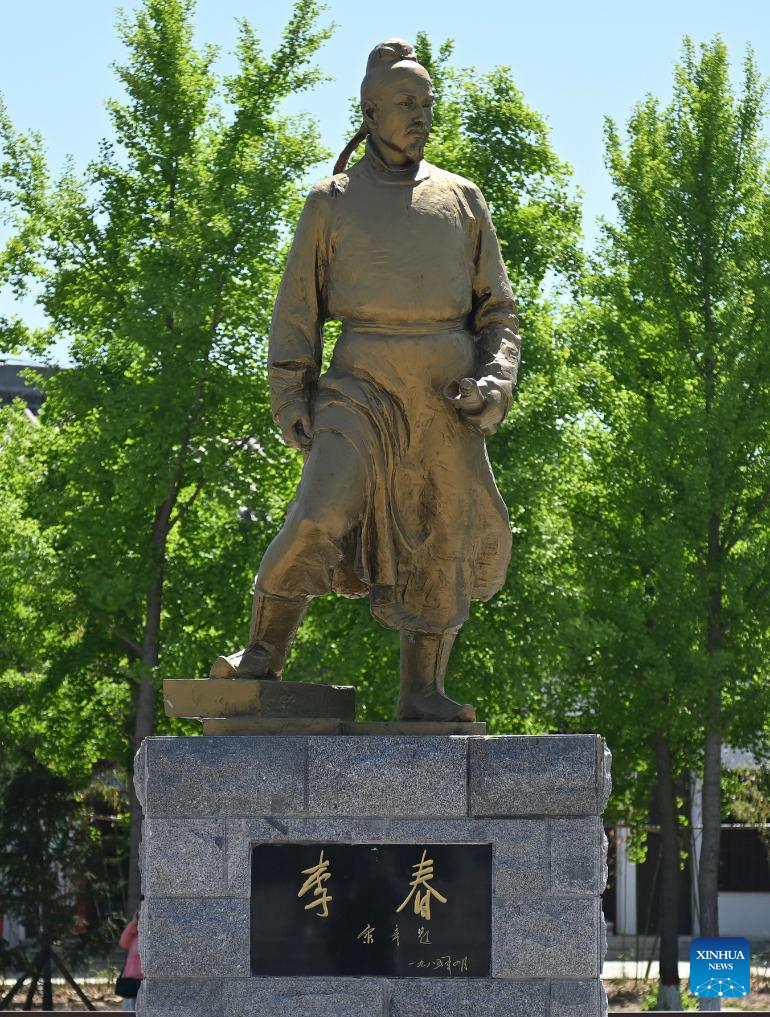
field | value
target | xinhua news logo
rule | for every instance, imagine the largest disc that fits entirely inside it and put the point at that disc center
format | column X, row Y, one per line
column 720, row 966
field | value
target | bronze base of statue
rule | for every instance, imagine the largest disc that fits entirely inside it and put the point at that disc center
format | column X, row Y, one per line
column 258, row 707
column 252, row 726
column 258, row 700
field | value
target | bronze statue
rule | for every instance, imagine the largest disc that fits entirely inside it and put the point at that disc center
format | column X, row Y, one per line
column 397, row 499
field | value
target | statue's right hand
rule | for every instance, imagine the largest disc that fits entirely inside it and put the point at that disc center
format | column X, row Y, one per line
column 294, row 422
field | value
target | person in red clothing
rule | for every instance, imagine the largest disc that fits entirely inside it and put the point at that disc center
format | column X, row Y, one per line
column 131, row 976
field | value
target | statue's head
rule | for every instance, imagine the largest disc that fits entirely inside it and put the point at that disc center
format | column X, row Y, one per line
column 397, row 101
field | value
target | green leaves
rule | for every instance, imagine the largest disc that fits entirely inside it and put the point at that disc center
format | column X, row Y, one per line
column 161, row 476
column 483, row 129
column 674, row 326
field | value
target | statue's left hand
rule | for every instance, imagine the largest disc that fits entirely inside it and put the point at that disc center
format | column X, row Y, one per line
column 481, row 407
column 294, row 422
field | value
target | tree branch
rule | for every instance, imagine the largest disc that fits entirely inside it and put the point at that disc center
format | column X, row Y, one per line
column 684, row 336
column 682, row 331
column 171, row 518
column 185, row 508
column 760, row 504
column 127, row 641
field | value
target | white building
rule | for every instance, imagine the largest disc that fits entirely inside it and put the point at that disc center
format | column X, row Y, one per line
column 744, row 878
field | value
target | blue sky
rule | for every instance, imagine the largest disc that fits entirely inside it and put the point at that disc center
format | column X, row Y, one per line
column 575, row 62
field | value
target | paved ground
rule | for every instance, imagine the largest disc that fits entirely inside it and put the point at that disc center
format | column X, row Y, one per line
column 629, row 957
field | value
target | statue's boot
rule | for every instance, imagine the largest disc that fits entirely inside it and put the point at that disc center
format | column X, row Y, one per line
column 274, row 624
column 424, row 659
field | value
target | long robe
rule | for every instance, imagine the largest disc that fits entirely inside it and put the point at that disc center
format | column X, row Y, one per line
column 409, row 262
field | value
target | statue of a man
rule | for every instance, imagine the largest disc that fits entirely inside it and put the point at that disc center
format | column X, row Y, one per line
column 397, row 499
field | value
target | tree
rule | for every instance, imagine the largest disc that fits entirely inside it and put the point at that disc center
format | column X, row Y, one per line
column 159, row 264
column 27, row 557
column 673, row 516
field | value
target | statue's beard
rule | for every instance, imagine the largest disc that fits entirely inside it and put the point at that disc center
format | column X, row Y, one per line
column 415, row 149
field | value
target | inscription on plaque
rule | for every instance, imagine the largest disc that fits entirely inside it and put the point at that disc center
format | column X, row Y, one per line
column 402, row 910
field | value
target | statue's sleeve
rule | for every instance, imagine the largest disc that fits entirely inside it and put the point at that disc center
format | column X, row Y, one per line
column 494, row 320
column 296, row 329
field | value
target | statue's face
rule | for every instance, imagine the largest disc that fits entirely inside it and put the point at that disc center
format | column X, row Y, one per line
column 399, row 115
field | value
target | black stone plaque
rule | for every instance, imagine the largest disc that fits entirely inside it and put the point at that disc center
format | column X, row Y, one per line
column 401, row 910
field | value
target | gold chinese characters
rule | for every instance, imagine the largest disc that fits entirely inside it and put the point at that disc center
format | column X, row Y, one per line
column 423, row 873
column 420, row 889
column 317, row 877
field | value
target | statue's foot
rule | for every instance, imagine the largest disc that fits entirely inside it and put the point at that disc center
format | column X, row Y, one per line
column 247, row 663
column 434, row 706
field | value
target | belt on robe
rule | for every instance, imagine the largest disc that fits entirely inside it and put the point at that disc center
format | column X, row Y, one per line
column 406, row 327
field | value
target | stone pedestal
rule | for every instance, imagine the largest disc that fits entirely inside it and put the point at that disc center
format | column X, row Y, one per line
column 536, row 800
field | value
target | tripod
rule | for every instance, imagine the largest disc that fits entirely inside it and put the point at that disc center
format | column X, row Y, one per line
column 39, row 968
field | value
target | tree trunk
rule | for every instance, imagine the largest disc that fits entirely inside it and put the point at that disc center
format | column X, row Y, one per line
column 708, row 874
column 708, row 870
column 144, row 726
column 145, row 706
column 669, row 999
column 669, row 996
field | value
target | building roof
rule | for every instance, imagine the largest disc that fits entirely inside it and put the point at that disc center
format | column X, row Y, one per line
column 13, row 385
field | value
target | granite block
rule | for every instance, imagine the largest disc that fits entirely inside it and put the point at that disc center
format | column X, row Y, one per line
column 238, row 776
column 399, row 776
column 578, row 999
column 140, row 775
column 242, row 833
column 605, row 774
column 143, row 871
column 305, row 997
column 433, row 997
column 549, row 937
column 519, row 775
column 436, row 831
column 188, row 997
column 184, row 857
column 520, row 846
column 195, row 937
column 520, row 857
column 575, row 855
